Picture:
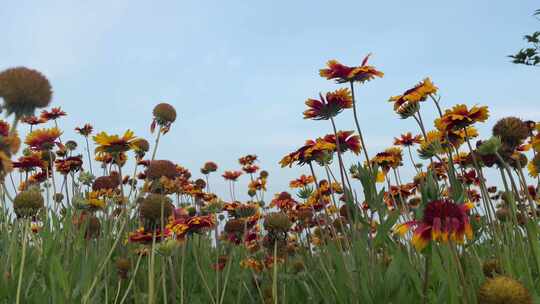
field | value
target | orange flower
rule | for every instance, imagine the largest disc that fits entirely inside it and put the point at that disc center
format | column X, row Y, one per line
column 231, row 175
column 460, row 117
column 342, row 73
column 326, row 108
column 302, row 181
column 42, row 139
column 419, row 93
column 55, row 113
column 407, row 140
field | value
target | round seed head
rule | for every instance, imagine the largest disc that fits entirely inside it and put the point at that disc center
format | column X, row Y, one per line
column 164, row 113
column 159, row 168
column 28, row 203
column 24, row 90
column 503, row 289
column 277, row 222
column 151, row 207
column 512, row 131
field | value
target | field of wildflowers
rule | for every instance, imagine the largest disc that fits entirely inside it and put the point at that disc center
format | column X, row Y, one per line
column 76, row 226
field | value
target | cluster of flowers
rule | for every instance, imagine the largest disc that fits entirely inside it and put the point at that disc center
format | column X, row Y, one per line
column 446, row 201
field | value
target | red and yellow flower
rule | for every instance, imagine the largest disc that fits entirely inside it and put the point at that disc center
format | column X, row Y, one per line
column 55, row 113
column 114, row 144
column 443, row 221
column 42, row 139
column 302, row 181
column 417, row 94
column 460, row 116
column 326, row 108
column 312, row 150
column 85, row 130
column 407, row 140
column 33, row 120
column 347, row 141
column 231, row 175
column 342, row 73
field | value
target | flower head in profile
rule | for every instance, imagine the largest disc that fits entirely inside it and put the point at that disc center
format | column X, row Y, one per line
column 312, row 150
column 247, row 160
column 69, row 164
column 326, row 108
column 54, row 114
column 31, row 161
column 347, row 141
column 302, row 181
column 389, row 158
column 209, row 167
column 42, row 139
column 534, row 166
column 414, row 95
column 460, row 116
column 147, row 236
column 33, row 120
column 342, row 73
column 114, row 144
column 85, row 130
column 283, row 201
column 250, row 169
column 443, row 221
column 231, row 175
column 407, row 140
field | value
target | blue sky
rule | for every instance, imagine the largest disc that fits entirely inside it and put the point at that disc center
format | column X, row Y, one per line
column 238, row 72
